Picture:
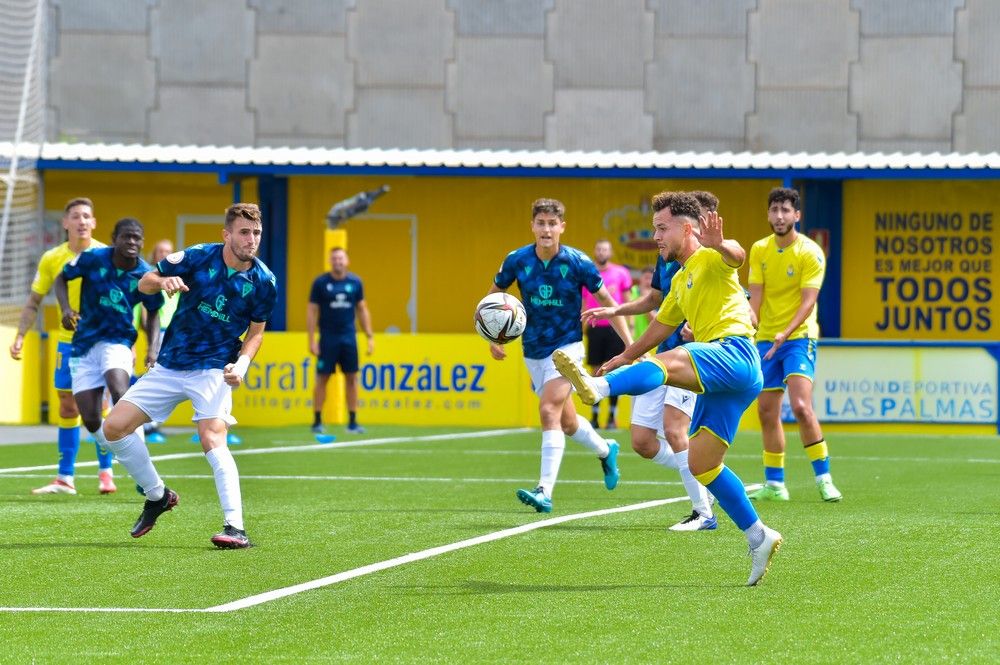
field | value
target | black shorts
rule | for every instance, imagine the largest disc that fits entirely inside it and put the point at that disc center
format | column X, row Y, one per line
column 340, row 350
column 603, row 344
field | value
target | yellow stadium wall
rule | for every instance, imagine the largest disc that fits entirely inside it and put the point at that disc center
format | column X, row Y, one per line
column 465, row 227
column 22, row 387
column 923, row 284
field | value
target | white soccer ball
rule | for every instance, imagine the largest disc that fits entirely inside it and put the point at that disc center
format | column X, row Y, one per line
column 500, row 318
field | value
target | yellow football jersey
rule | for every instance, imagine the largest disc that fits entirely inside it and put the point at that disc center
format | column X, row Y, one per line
column 706, row 291
column 49, row 267
column 784, row 273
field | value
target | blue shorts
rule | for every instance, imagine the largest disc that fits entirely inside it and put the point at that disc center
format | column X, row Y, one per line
column 728, row 370
column 61, row 377
column 337, row 350
column 794, row 357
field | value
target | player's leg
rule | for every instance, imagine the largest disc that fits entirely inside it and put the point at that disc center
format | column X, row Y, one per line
column 594, row 362
column 707, row 461
column 117, row 363
column 773, row 437
column 581, row 431
column 611, row 346
column 552, row 392
column 677, row 412
column 671, row 367
column 212, row 401
column 212, row 432
column 349, row 366
column 69, row 426
column 800, row 395
column 326, row 363
column 772, row 431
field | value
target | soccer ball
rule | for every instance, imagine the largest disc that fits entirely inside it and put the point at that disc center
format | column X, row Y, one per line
column 500, row 318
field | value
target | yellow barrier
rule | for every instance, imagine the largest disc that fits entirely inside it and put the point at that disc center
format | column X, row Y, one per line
column 22, row 401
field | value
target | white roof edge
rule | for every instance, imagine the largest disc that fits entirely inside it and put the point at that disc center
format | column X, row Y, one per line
column 237, row 156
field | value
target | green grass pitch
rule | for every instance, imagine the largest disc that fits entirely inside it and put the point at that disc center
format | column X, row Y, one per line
column 904, row 570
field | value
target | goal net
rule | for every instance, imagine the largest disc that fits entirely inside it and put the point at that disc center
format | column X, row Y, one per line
column 22, row 132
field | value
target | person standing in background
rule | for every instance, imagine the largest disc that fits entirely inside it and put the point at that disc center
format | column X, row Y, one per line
column 79, row 222
column 603, row 343
column 786, row 273
column 335, row 300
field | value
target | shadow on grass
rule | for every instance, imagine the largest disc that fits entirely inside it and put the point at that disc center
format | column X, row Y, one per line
column 481, row 587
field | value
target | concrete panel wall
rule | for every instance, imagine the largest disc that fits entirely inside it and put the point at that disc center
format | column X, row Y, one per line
column 777, row 75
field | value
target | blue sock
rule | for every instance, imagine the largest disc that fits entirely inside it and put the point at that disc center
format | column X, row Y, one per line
column 636, row 379
column 69, row 445
column 104, row 459
column 729, row 492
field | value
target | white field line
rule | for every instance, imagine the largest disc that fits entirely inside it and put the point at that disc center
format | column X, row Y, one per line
column 268, row 596
column 301, row 448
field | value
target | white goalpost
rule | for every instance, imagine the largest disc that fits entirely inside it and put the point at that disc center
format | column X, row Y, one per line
column 22, row 132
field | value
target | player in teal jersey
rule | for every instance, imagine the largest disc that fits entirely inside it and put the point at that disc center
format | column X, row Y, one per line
column 723, row 366
column 550, row 277
column 101, row 355
column 226, row 292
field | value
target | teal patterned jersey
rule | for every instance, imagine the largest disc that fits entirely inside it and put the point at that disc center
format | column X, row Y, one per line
column 107, row 298
column 551, row 294
column 217, row 309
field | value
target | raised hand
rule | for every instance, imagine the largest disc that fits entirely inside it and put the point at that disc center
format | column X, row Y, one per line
column 711, row 231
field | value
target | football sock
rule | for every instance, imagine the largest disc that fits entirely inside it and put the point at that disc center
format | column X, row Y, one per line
column 774, row 468
column 134, row 456
column 317, row 418
column 553, row 445
column 731, row 495
column 612, row 408
column 588, row 436
column 819, row 455
column 69, row 445
column 755, row 534
column 695, row 490
column 227, row 484
column 666, row 456
column 637, row 379
column 595, row 411
column 352, row 418
column 104, row 456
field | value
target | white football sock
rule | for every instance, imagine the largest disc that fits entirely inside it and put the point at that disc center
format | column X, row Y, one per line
column 755, row 534
column 132, row 453
column 553, row 445
column 666, row 456
column 588, row 436
column 227, row 484
column 695, row 490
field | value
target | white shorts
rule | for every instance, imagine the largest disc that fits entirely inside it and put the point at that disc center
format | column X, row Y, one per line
column 88, row 370
column 158, row 392
column 647, row 409
column 544, row 370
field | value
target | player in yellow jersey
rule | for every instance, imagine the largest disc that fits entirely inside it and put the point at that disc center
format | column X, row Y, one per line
column 722, row 365
column 786, row 273
column 79, row 222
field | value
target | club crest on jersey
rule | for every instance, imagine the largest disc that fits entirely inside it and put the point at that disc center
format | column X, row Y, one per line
column 564, row 270
column 104, row 271
column 133, row 285
column 247, row 288
column 212, row 272
column 527, row 270
column 348, row 287
column 791, row 271
column 690, row 281
column 176, row 257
